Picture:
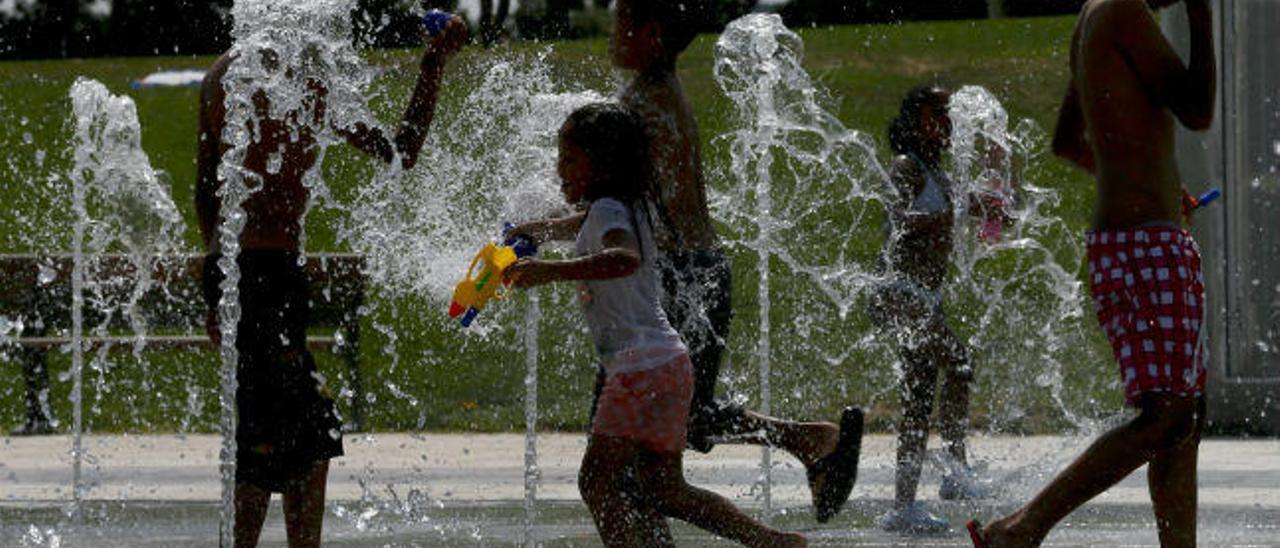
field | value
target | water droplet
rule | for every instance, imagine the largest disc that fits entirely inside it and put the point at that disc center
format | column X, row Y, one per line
column 1275, row 147
column 10, row 327
column 46, row 275
column 27, row 138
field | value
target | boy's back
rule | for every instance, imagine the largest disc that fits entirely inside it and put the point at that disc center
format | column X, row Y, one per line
column 1132, row 136
column 677, row 157
column 1130, row 86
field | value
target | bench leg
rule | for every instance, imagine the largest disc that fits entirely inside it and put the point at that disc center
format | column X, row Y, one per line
column 35, row 375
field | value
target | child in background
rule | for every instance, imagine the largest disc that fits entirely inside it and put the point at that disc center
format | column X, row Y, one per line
column 632, row 473
column 909, row 306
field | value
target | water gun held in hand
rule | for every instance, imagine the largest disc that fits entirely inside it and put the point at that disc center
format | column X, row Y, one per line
column 1192, row 204
column 484, row 278
column 1206, row 198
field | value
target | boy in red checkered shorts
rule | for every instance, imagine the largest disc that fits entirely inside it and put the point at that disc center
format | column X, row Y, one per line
column 1117, row 122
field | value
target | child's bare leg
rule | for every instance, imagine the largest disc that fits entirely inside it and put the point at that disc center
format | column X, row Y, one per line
column 1165, row 422
column 953, row 407
column 1171, row 477
column 251, row 511
column 619, row 519
column 919, row 380
column 806, row 441
column 662, row 479
column 304, row 508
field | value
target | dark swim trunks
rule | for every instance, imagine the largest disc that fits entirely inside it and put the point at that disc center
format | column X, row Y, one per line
column 287, row 423
column 697, row 298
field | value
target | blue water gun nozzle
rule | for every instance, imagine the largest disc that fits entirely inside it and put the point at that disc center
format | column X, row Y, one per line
column 524, row 246
column 1208, row 198
column 434, row 21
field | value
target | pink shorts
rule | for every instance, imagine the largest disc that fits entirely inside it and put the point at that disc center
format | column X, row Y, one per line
column 649, row 407
column 1148, row 292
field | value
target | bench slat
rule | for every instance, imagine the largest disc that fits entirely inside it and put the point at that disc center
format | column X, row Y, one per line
column 150, row 342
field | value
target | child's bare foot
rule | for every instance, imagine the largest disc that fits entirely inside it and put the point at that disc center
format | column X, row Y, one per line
column 832, row 474
column 822, row 440
column 789, row 540
column 1008, row 532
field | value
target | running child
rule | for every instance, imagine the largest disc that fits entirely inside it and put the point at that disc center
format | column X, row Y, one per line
column 1117, row 123
column 649, row 36
column 638, row 431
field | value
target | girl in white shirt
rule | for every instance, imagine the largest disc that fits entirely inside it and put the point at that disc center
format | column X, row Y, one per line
column 632, row 474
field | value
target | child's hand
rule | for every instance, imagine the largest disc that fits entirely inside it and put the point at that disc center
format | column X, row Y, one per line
column 531, row 230
column 527, row 273
column 450, row 40
column 1188, row 206
column 212, row 325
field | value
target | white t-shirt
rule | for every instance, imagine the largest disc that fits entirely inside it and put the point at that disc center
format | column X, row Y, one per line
column 625, row 318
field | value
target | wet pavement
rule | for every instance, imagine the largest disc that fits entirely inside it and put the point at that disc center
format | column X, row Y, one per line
column 468, row 490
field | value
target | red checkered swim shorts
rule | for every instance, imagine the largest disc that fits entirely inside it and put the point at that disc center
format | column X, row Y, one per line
column 1148, row 292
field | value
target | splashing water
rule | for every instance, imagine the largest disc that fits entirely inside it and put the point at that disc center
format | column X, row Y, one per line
column 292, row 61
column 803, row 190
column 807, row 196
column 487, row 160
column 799, row 179
column 1022, row 306
column 119, row 203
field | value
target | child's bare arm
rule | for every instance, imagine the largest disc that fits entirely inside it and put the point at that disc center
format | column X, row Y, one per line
column 209, row 152
column 551, row 230
column 619, row 258
column 412, row 130
column 1069, row 138
column 907, row 180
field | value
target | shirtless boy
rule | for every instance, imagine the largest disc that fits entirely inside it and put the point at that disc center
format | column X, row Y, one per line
column 648, row 38
column 1117, row 123
column 288, row 428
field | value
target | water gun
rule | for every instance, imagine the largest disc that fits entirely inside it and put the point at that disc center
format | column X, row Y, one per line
column 1206, row 198
column 484, row 278
column 434, row 21
column 1192, row 204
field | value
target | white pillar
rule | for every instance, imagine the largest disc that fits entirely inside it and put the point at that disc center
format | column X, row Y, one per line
column 1237, row 237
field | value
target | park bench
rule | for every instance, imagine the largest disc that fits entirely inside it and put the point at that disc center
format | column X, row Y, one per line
column 36, row 290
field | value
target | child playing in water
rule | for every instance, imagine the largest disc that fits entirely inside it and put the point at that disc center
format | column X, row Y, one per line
column 909, row 305
column 288, row 428
column 640, row 424
column 695, row 270
column 693, row 267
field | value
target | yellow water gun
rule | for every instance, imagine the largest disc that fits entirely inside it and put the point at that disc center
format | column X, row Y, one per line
column 484, row 278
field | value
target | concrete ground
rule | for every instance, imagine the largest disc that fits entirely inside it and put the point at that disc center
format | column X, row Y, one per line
column 468, row 490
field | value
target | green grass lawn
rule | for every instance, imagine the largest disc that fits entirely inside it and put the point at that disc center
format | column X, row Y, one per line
column 422, row 373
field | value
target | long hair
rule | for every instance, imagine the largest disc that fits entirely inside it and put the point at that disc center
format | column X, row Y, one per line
column 617, row 146
column 904, row 131
column 614, row 140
